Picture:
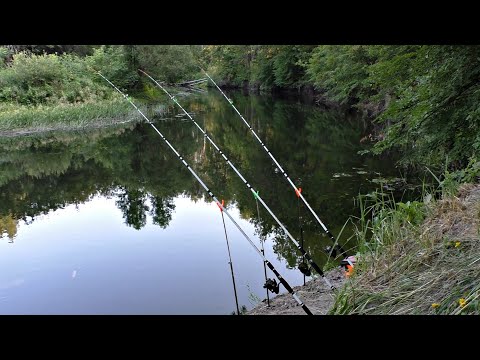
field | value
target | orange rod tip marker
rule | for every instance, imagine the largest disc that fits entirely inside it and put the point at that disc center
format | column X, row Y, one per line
column 221, row 206
column 298, row 191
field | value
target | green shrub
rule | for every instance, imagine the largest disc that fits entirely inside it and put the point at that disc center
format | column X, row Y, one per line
column 4, row 54
column 113, row 62
column 51, row 79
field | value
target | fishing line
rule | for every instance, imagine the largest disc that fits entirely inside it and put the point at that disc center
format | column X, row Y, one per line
column 230, row 258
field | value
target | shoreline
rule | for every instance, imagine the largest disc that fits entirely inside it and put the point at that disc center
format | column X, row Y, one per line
column 100, row 124
column 315, row 294
column 23, row 121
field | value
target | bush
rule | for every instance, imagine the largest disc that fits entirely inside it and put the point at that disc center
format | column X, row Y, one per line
column 4, row 54
column 113, row 62
column 50, row 79
column 171, row 63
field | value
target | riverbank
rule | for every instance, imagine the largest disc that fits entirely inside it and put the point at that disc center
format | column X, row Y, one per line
column 315, row 294
column 423, row 260
column 44, row 91
column 429, row 266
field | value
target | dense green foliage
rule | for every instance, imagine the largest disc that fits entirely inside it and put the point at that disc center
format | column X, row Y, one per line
column 425, row 97
column 56, row 86
column 80, row 50
column 434, row 112
column 170, row 63
column 4, row 54
column 49, row 79
column 33, row 79
column 266, row 66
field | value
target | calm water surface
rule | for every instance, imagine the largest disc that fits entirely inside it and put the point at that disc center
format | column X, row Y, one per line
column 108, row 221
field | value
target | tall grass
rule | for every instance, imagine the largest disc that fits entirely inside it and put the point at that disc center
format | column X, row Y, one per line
column 420, row 257
column 18, row 117
column 15, row 119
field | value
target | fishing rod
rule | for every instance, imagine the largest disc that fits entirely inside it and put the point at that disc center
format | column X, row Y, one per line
column 271, row 284
column 330, row 235
column 255, row 193
column 230, row 258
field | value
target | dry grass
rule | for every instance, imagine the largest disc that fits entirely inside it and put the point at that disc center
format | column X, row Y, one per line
column 433, row 268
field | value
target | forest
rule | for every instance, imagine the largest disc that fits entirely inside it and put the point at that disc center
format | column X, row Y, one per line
column 422, row 99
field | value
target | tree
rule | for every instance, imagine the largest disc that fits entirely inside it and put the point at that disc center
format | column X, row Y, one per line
column 170, row 63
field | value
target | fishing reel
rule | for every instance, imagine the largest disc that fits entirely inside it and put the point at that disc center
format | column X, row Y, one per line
column 272, row 286
column 304, row 269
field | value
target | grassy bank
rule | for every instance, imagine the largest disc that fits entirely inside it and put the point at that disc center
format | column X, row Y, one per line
column 48, row 91
column 416, row 258
column 21, row 118
column 419, row 257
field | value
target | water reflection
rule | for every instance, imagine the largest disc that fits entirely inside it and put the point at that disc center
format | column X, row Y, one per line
column 131, row 165
column 8, row 227
column 38, row 174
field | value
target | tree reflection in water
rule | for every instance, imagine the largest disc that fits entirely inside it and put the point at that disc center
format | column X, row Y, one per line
column 131, row 164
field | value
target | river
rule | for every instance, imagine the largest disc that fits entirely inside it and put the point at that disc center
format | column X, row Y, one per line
column 108, row 221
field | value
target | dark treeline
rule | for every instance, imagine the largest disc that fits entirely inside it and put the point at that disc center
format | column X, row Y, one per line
column 425, row 99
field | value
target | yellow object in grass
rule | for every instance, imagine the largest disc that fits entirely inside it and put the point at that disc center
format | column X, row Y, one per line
column 462, row 302
column 435, row 305
column 457, row 243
